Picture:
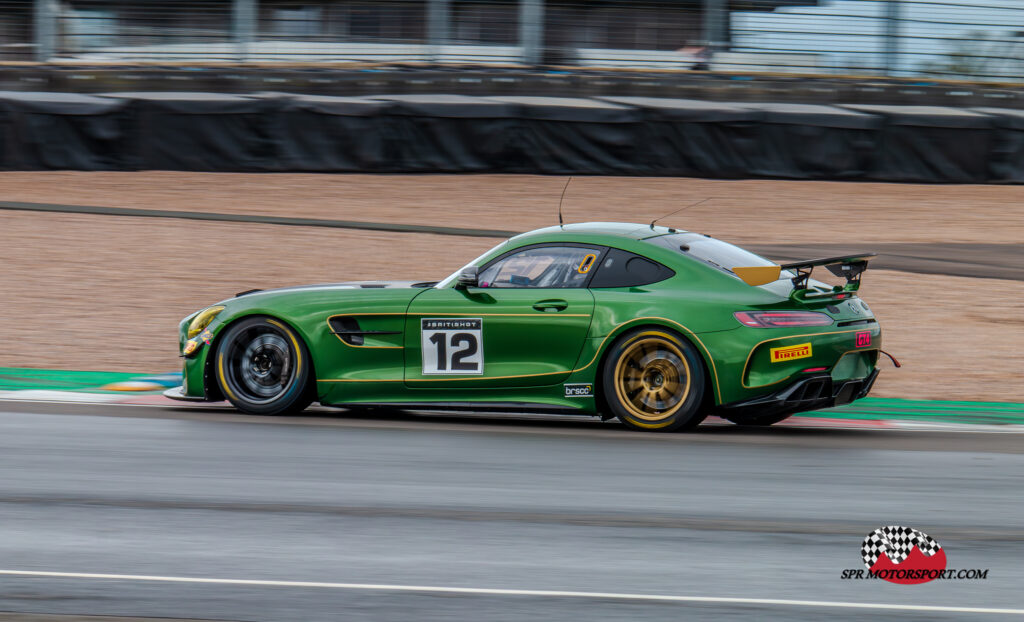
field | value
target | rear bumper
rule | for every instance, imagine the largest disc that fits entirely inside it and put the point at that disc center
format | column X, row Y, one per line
column 810, row 393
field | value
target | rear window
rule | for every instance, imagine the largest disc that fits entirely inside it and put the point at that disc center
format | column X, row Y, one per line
column 716, row 253
column 620, row 268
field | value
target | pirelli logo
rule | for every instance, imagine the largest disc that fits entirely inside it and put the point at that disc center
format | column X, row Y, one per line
column 791, row 353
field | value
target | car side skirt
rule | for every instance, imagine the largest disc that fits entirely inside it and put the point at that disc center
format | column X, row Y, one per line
column 489, row 407
column 534, row 399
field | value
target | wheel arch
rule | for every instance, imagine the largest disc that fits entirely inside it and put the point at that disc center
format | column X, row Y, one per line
column 712, row 390
column 212, row 387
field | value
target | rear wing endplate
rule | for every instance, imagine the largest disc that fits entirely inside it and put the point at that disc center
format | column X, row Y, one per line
column 850, row 267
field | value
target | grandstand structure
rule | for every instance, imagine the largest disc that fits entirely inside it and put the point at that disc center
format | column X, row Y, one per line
column 684, row 34
column 945, row 39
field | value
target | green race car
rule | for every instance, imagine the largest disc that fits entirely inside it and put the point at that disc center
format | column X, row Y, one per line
column 656, row 326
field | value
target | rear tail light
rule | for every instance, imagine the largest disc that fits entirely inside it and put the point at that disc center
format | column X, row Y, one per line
column 782, row 319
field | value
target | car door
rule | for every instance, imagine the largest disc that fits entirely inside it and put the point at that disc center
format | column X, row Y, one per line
column 523, row 325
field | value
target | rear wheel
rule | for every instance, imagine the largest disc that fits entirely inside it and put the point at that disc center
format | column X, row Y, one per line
column 653, row 380
column 263, row 367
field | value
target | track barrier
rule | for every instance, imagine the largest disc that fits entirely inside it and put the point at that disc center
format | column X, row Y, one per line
column 432, row 133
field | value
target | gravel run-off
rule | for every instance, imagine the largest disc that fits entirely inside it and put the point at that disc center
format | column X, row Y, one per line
column 106, row 292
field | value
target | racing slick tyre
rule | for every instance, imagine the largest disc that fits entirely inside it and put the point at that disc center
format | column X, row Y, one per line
column 263, row 367
column 653, row 380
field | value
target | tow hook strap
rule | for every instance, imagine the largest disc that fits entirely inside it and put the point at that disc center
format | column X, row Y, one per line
column 892, row 358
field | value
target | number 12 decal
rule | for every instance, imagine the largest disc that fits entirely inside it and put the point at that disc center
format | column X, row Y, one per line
column 452, row 346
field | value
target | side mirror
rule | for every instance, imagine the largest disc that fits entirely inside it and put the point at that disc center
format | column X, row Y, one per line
column 468, row 277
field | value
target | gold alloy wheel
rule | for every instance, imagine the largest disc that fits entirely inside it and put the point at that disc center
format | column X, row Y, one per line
column 652, row 378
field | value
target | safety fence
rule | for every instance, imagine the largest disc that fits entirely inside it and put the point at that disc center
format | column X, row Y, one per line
column 927, row 38
column 509, row 134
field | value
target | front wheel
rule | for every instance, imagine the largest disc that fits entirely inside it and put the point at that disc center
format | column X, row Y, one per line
column 263, row 367
column 653, row 380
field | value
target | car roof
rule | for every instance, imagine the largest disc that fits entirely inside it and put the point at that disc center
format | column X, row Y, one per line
column 590, row 230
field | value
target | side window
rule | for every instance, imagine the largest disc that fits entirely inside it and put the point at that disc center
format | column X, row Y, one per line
column 542, row 266
column 623, row 269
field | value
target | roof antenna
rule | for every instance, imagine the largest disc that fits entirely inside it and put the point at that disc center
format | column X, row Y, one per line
column 562, row 199
column 679, row 210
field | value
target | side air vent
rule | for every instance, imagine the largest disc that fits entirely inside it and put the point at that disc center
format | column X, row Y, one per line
column 348, row 329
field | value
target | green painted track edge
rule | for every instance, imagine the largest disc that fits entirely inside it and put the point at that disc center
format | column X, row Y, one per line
column 894, row 409
column 20, row 379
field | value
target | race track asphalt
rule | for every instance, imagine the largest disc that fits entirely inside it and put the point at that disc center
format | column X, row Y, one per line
column 465, row 502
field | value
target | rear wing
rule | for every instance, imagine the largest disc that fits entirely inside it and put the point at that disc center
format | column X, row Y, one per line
column 849, row 266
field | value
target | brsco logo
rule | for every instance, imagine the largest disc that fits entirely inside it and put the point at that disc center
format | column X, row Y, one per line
column 903, row 555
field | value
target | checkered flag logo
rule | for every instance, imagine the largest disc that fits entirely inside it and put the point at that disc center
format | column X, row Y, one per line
column 896, row 542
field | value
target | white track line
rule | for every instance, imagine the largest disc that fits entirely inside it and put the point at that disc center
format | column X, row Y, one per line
column 63, row 397
column 504, row 592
